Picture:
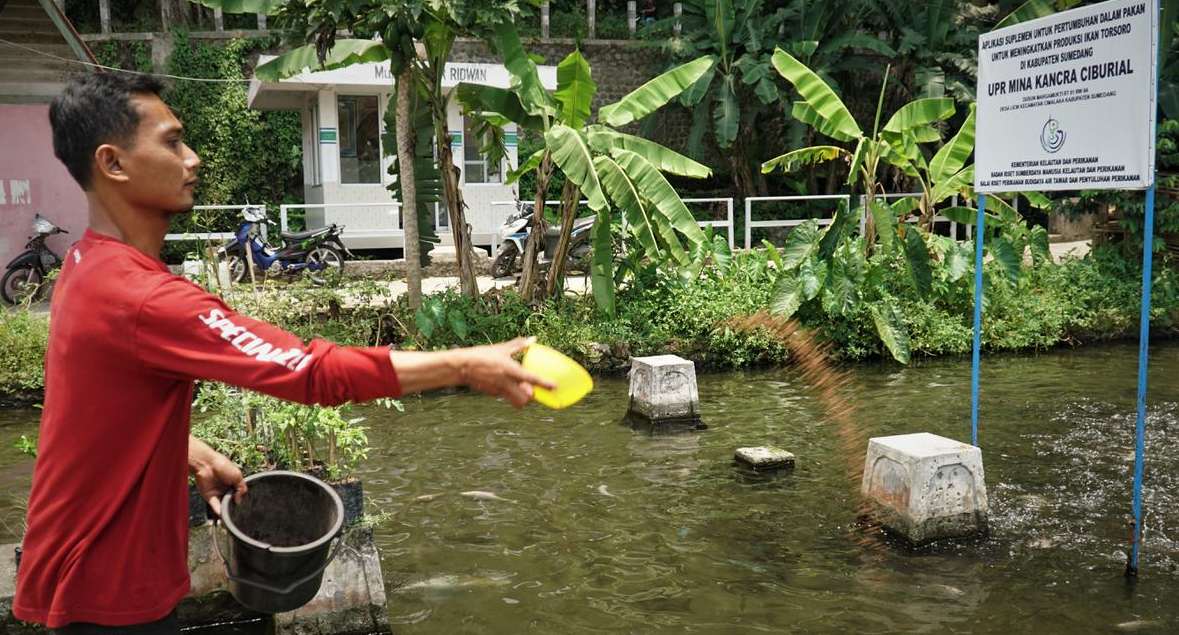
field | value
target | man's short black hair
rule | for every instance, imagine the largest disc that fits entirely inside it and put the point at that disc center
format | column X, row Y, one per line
column 95, row 108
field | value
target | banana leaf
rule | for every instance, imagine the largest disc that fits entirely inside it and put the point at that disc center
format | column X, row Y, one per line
column 726, row 114
column 801, row 158
column 531, row 163
column 483, row 98
column 603, row 140
column 625, row 195
column 968, row 216
column 525, row 79
column 891, row 329
column 817, row 94
column 602, row 263
column 853, row 173
column 652, row 95
column 305, row 58
column 959, row 182
column 919, row 113
column 1033, row 9
column 805, row 113
column 952, row 156
column 721, row 20
column 695, row 93
column 575, row 90
column 673, row 214
column 572, row 155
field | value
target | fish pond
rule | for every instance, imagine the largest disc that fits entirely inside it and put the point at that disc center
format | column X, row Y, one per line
column 584, row 524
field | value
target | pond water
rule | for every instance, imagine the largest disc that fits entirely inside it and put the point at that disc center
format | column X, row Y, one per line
column 607, row 528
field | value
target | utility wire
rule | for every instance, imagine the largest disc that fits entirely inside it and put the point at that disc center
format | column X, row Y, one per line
column 122, row 70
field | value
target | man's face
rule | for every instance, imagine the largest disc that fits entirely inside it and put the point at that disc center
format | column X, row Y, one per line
column 161, row 169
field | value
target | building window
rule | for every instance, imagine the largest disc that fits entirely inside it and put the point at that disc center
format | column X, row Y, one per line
column 359, row 139
column 475, row 166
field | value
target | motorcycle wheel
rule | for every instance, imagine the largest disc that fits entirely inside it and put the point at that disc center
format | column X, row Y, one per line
column 333, row 260
column 237, row 268
column 20, row 284
column 505, row 262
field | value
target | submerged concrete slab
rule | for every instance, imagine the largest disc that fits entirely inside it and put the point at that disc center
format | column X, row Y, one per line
column 765, row 458
column 926, row 487
column 663, row 387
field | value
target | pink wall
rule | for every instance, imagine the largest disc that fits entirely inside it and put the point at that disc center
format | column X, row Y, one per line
column 32, row 180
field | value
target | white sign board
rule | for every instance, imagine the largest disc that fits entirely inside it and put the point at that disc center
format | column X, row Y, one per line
column 379, row 74
column 1067, row 102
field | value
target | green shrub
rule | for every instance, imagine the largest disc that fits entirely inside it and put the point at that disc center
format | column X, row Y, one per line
column 23, row 338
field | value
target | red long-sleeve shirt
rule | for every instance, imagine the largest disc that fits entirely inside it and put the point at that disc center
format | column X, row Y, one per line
column 107, row 536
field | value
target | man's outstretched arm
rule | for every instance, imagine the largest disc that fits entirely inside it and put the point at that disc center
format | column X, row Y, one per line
column 489, row 369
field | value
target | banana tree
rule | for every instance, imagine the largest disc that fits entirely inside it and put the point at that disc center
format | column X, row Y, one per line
column 607, row 167
column 822, row 109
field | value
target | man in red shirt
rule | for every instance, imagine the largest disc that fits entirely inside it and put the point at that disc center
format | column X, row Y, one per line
column 106, row 545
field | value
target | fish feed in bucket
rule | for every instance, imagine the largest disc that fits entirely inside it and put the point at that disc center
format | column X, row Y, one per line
column 280, row 539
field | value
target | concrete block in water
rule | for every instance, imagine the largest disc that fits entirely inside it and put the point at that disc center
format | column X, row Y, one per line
column 926, row 487
column 765, row 458
column 663, row 387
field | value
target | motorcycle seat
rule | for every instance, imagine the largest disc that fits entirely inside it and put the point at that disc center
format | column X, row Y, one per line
column 304, row 234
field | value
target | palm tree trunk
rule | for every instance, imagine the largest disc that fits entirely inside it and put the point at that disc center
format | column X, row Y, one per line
column 409, row 198
column 569, row 199
column 528, row 274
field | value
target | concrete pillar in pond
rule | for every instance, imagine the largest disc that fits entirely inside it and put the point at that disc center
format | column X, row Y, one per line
column 926, row 487
column 663, row 387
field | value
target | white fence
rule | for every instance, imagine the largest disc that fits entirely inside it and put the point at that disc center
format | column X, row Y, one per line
column 727, row 223
column 510, row 206
column 750, row 224
column 214, row 235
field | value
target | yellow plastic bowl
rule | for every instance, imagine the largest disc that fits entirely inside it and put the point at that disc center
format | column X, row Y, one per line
column 573, row 382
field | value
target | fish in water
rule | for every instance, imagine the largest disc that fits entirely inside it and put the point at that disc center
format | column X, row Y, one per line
column 455, row 582
column 425, row 498
column 945, row 589
column 480, row 495
column 1137, row 625
column 605, row 492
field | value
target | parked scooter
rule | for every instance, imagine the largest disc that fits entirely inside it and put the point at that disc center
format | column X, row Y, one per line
column 25, row 276
column 319, row 252
column 514, row 238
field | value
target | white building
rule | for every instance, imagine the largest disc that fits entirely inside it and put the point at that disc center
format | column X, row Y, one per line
column 345, row 167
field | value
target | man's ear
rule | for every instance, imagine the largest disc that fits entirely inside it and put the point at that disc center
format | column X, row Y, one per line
column 107, row 163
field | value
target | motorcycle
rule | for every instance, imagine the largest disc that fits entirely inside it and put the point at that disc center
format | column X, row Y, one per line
column 25, row 275
column 318, row 252
column 514, row 237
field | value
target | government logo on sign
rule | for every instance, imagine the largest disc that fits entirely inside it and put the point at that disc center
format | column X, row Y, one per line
column 1051, row 136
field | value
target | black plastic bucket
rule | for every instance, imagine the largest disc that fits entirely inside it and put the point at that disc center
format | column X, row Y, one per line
column 280, row 539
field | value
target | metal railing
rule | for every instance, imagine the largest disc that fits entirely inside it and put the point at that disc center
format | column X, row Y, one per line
column 936, row 219
column 750, row 224
column 727, row 223
column 212, row 235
